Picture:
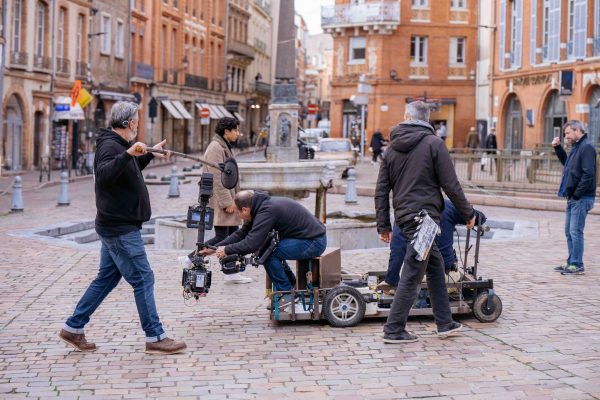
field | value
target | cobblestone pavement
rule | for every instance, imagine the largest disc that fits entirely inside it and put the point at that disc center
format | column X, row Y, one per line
column 546, row 344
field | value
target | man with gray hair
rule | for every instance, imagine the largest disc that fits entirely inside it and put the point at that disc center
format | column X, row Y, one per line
column 578, row 186
column 122, row 204
column 415, row 168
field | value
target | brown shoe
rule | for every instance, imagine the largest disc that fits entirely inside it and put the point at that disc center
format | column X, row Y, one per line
column 76, row 340
column 165, row 346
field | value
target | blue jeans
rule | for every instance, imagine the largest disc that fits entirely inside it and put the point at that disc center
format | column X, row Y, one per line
column 121, row 256
column 577, row 210
column 292, row 249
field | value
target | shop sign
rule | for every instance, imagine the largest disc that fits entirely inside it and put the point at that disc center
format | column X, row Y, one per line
column 531, row 80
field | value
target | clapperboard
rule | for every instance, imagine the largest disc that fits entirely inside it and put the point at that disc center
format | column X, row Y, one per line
column 425, row 235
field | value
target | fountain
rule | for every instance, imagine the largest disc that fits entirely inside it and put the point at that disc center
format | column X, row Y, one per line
column 283, row 173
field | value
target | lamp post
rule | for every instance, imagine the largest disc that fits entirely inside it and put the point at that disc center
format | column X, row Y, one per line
column 364, row 89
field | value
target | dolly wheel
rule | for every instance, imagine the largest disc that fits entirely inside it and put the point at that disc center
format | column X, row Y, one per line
column 481, row 310
column 344, row 306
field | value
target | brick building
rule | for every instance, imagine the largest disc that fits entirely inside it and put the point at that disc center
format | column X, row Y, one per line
column 545, row 69
column 407, row 50
column 46, row 51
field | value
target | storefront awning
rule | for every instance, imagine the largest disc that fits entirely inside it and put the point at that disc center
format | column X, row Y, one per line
column 114, row 96
column 225, row 112
column 63, row 110
column 181, row 108
column 238, row 116
column 171, row 108
column 216, row 111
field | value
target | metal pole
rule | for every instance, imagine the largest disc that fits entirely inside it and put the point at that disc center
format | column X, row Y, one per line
column 362, row 133
column 52, row 77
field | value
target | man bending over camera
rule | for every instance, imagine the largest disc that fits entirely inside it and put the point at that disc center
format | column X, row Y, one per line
column 301, row 235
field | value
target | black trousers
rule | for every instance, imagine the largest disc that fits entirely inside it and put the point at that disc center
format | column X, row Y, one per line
column 411, row 277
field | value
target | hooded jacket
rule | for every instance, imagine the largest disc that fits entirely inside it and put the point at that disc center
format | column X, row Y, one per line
column 286, row 216
column 415, row 168
column 579, row 174
column 122, row 199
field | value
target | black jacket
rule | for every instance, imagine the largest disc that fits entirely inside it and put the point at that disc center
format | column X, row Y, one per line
column 580, row 172
column 415, row 167
column 122, row 200
column 377, row 141
column 286, row 216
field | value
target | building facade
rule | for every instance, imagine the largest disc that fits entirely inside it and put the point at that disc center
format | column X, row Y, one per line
column 258, row 77
column 546, row 70
column 319, row 53
column 407, row 50
column 240, row 54
column 46, row 51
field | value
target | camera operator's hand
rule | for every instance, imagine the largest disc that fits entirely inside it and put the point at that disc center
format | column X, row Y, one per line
column 220, row 252
column 159, row 146
column 138, row 149
column 385, row 237
column 206, row 252
column 230, row 209
column 471, row 223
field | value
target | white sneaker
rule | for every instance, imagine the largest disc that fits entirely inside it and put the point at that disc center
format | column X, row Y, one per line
column 185, row 261
column 237, row 278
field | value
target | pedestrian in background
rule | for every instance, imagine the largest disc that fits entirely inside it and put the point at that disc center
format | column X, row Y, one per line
column 123, row 205
column 377, row 143
column 415, row 169
column 472, row 139
column 491, row 145
column 578, row 186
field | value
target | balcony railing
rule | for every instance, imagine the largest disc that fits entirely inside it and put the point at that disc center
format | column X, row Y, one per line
column 41, row 62
column 144, row 71
column 18, row 58
column 196, row 81
column 262, row 88
column 81, row 69
column 241, row 48
column 63, row 66
column 384, row 12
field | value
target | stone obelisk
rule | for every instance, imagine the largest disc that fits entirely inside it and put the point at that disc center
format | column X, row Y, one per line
column 283, row 111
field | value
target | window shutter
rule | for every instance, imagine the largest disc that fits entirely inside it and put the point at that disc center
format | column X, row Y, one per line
column 502, row 46
column 453, row 45
column 554, row 36
column 580, row 34
column 533, row 32
column 518, row 56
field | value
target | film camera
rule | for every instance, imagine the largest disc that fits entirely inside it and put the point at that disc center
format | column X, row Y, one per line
column 196, row 280
column 234, row 263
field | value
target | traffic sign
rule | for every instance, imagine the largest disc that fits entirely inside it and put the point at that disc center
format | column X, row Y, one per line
column 205, row 113
column 313, row 108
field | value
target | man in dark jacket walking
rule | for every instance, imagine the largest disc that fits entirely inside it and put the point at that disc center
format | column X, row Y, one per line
column 301, row 235
column 578, row 185
column 122, row 204
column 416, row 167
column 377, row 143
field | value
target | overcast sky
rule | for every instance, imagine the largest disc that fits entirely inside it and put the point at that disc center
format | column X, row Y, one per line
column 311, row 12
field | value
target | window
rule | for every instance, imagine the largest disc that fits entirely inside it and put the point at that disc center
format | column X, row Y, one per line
column 60, row 40
column 17, row 14
column 418, row 50
column 551, row 35
column 570, row 26
column 175, row 4
column 106, row 35
column 173, row 39
column 516, row 33
column 79, row 44
column 533, row 33
column 457, row 50
column 120, row 40
column 579, row 41
column 460, row 4
column 420, row 3
column 40, row 29
column 357, row 49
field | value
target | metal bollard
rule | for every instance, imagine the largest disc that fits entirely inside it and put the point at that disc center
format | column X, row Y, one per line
column 351, row 197
column 174, row 185
column 63, row 195
column 17, row 197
